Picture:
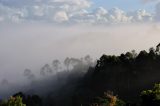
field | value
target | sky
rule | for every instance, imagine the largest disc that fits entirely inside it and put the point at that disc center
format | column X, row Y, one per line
column 79, row 11
column 128, row 5
column 35, row 32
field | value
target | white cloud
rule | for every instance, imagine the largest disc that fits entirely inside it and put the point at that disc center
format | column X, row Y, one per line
column 61, row 16
column 69, row 11
column 101, row 11
column 141, row 16
column 41, row 9
column 78, row 3
column 117, row 15
column 101, row 15
column 38, row 11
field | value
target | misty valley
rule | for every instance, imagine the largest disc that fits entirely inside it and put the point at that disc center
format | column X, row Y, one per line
column 129, row 79
column 79, row 52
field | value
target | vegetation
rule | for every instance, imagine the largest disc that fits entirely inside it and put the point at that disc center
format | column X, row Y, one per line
column 107, row 100
column 127, row 75
column 151, row 97
column 13, row 101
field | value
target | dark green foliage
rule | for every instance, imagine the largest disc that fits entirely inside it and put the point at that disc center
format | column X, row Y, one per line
column 126, row 74
column 151, row 97
column 3, row 103
column 108, row 99
column 13, row 101
column 120, row 103
column 19, row 98
column 100, row 101
column 30, row 100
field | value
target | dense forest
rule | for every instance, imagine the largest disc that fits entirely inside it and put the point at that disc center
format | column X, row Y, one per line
column 130, row 79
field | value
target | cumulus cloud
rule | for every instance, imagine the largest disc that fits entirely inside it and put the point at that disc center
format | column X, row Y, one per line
column 141, row 15
column 41, row 9
column 118, row 15
column 69, row 11
column 61, row 16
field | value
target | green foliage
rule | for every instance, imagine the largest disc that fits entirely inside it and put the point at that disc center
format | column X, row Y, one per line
column 29, row 100
column 108, row 100
column 120, row 102
column 151, row 97
column 3, row 103
column 101, row 101
column 13, row 101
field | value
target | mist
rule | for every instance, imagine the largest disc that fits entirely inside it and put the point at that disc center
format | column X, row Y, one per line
column 32, row 45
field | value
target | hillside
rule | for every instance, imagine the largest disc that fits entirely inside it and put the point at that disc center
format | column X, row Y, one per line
column 126, row 75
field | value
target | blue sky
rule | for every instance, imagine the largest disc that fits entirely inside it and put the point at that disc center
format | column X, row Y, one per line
column 127, row 5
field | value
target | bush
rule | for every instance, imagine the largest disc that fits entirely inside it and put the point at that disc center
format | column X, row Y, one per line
column 108, row 100
column 151, row 97
column 13, row 101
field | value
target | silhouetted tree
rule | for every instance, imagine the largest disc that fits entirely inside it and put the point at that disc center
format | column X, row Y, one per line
column 134, row 54
column 46, row 70
column 88, row 59
column 29, row 100
column 158, row 48
column 67, row 63
column 56, row 65
column 28, row 73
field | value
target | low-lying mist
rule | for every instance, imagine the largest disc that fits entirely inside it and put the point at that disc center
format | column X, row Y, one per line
column 33, row 47
column 51, row 77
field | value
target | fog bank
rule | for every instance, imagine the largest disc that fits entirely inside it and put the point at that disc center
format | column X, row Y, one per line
column 33, row 45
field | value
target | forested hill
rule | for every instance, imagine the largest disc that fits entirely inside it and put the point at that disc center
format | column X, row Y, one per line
column 126, row 75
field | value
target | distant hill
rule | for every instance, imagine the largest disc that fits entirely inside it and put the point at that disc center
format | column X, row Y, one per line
column 126, row 75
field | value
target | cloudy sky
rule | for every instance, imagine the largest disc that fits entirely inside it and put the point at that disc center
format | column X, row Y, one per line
column 79, row 11
column 34, row 32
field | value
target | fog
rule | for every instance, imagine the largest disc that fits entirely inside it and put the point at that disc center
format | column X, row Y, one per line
column 33, row 45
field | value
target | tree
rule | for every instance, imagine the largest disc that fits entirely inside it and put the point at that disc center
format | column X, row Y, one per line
column 129, row 55
column 13, row 101
column 151, row 97
column 152, row 53
column 28, row 73
column 76, row 63
column 108, row 99
column 88, row 59
column 29, row 100
column 67, row 63
column 142, row 56
column 158, row 48
column 56, row 65
column 134, row 54
column 45, row 70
